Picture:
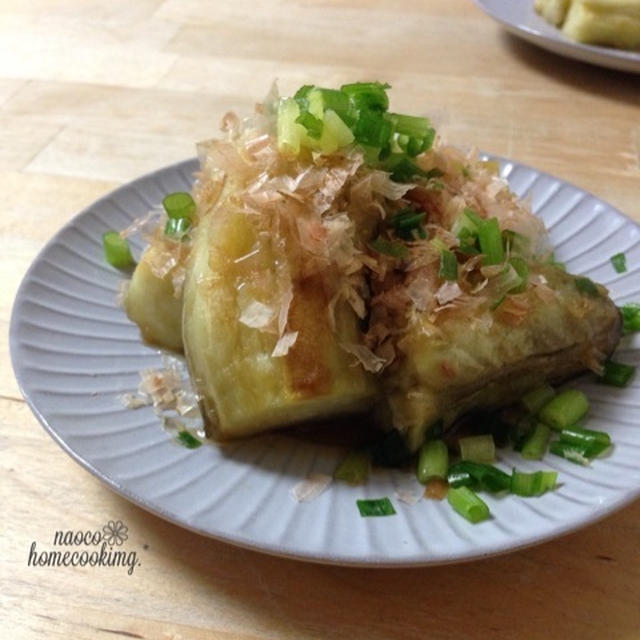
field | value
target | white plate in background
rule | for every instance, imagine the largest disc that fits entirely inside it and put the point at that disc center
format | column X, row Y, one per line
column 520, row 18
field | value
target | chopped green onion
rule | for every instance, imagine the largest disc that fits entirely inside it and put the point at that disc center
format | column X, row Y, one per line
column 514, row 243
column 466, row 172
column 565, row 409
column 439, row 244
column 592, row 442
column 630, row 317
column 187, row 440
column 554, row 263
column 408, row 220
column 412, row 126
column 414, row 135
column 288, row 130
column 433, row 461
column 116, row 250
column 478, row 476
column 616, row 374
column 619, row 262
column 473, row 218
column 535, row 399
column 389, row 141
column 535, row 446
column 448, row 265
column 571, row 452
column 480, row 448
column 466, row 226
column 376, row 507
column 522, row 269
column 388, row 248
column 468, row 246
column 179, row 205
column 177, row 227
column 528, row 485
column 371, row 154
column 372, row 129
column 432, row 173
column 368, row 95
column 335, row 133
column 497, row 303
column 508, row 281
column 586, row 286
column 312, row 124
column 331, row 99
column 403, row 169
column 354, row 468
column 416, row 146
column 301, row 96
column 491, row 241
column 459, row 478
column 315, row 105
column 468, row 504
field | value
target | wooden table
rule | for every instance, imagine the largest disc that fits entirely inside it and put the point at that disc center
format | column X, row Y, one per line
column 93, row 94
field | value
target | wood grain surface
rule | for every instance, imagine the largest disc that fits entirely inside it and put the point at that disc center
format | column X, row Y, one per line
column 93, row 94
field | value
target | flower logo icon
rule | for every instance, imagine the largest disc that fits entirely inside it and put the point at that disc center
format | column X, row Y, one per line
column 115, row 532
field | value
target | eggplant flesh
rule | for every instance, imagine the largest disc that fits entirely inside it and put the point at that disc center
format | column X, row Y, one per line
column 474, row 364
column 151, row 303
column 243, row 389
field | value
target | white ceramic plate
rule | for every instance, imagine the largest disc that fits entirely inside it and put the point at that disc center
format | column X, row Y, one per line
column 75, row 352
column 520, row 18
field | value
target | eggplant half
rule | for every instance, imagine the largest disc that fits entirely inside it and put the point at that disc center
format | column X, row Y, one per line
column 491, row 357
column 248, row 379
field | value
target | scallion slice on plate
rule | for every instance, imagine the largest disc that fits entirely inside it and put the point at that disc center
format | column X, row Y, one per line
column 468, row 504
column 480, row 448
column 187, row 440
column 177, row 227
column 433, row 461
column 565, row 409
column 116, row 250
column 179, row 204
column 616, row 374
column 478, row 476
column 533, row 484
column 535, row 399
column 630, row 317
column 619, row 262
column 535, row 446
column 375, row 507
column 592, row 442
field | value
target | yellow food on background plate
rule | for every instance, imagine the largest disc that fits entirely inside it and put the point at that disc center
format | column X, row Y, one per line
column 614, row 23
column 335, row 256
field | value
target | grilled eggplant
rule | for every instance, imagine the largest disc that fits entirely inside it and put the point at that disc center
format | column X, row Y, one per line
column 322, row 280
column 492, row 357
column 245, row 387
column 151, row 303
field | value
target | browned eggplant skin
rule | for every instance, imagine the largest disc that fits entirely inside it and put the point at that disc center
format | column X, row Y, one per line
column 494, row 368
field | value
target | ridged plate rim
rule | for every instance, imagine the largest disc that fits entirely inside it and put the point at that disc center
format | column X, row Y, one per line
column 382, row 542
